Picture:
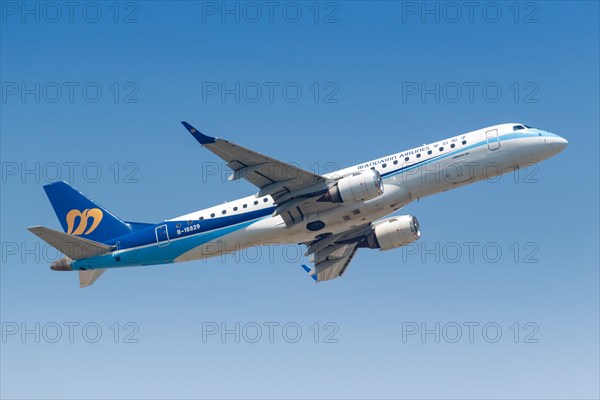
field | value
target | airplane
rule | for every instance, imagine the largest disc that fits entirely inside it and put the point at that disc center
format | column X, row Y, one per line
column 332, row 214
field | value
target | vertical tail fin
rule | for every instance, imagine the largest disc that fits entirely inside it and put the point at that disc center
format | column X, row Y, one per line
column 80, row 216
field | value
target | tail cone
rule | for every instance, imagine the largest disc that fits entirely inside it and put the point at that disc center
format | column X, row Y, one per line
column 64, row 264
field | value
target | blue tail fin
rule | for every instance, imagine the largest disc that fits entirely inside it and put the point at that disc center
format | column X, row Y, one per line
column 80, row 216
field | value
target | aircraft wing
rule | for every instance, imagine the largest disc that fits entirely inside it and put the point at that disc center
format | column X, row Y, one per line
column 333, row 254
column 334, row 264
column 282, row 181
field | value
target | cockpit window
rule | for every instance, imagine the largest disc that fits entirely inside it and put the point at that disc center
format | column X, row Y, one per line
column 521, row 127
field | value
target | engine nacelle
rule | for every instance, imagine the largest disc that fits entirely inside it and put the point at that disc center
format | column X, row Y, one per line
column 394, row 232
column 363, row 186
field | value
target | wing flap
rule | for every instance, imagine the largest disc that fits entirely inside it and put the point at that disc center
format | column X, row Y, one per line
column 334, row 264
column 343, row 257
column 332, row 254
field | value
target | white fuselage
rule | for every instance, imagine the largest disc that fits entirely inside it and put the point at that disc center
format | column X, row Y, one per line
column 407, row 176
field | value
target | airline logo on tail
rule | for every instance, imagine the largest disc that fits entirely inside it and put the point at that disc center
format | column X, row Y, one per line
column 94, row 213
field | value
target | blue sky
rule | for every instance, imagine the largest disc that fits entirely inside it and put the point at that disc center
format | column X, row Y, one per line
column 94, row 95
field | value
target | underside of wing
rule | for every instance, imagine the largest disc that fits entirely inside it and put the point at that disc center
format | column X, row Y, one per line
column 335, row 264
column 331, row 255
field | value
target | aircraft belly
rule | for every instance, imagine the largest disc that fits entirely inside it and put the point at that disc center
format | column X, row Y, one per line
column 272, row 230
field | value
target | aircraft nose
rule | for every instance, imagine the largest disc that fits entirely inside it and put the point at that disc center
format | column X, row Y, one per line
column 557, row 143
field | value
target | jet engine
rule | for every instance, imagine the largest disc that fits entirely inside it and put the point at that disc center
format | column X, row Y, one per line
column 394, row 232
column 362, row 186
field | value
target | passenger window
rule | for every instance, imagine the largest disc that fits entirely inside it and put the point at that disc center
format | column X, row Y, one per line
column 235, row 208
column 441, row 149
column 255, row 202
column 224, row 212
column 244, row 206
column 464, row 142
column 419, row 155
column 383, row 165
column 265, row 200
column 406, row 158
column 452, row 145
column 395, row 162
column 429, row 152
column 212, row 215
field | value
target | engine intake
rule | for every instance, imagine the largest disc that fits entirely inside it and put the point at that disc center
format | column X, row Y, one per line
column 363, row 186
column 394, row 232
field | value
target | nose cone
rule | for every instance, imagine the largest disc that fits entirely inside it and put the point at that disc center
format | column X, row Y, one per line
column 557, row 143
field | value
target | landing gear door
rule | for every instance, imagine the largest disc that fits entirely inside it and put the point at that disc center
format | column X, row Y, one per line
column 493, row 142
column 162, row 235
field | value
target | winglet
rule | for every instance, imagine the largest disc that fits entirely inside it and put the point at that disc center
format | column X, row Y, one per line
column 308, row 271
column 199, row 136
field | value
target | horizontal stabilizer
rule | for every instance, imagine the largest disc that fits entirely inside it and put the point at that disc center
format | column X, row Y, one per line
column 87, row 278
column 74, row 247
